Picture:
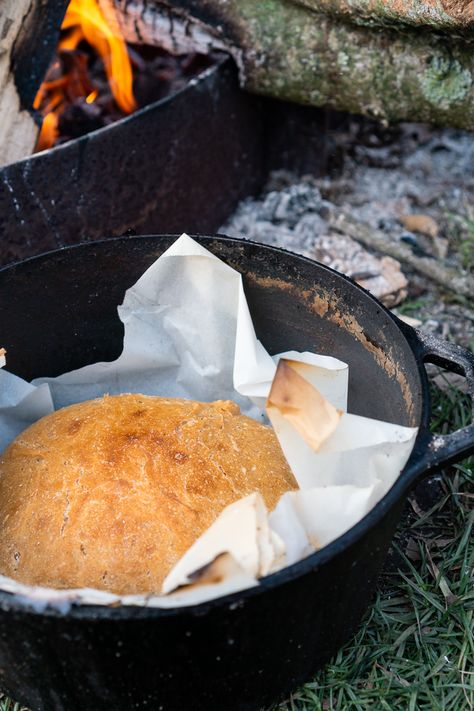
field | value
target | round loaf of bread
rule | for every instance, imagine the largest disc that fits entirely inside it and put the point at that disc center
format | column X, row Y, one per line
column 110, row 493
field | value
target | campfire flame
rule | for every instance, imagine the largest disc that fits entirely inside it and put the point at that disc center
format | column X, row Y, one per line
column 84, row 21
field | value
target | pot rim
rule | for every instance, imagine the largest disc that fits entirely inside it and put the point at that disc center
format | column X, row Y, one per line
column 202, row 76
column 70, row 608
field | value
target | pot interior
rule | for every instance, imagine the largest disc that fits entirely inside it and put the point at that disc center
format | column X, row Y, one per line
column 59, row 312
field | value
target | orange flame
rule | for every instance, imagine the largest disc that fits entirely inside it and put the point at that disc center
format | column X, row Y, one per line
column 84, row 21
column 49, row 131
column 90, row 98
column 87, row 15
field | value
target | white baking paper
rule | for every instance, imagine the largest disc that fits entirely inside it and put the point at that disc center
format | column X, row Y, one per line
column 341, row 477
column 180, row 320
column 359, row 450
column 243, row 531
column 189, row 333
column 21, row 404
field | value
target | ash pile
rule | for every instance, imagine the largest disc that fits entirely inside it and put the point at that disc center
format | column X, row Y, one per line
column 298, row 219
column 396, row 215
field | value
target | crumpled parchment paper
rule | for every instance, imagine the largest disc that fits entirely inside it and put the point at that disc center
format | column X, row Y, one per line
column 189, row 333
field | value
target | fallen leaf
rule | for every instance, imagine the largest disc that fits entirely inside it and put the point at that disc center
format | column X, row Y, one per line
column 424, row 224
column 446, row 591
column 447, row 381
column 412, row 551
column 416, row 507
column 391, row 675
column 442, row 542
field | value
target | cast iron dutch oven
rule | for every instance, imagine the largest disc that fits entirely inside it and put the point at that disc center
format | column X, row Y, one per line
column 247, row 650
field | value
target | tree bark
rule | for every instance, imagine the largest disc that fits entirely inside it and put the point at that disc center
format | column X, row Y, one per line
column 340, row 59
column 450, row 15
column 18, row 129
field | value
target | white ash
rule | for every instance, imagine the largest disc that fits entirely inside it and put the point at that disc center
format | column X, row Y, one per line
column 295, row 218
column 387, row 173
column 425, row 170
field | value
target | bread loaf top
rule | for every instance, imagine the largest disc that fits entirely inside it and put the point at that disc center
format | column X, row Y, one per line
column 110, row 493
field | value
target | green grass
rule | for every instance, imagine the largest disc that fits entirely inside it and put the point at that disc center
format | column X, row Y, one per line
column 411, row 307
column 415, row 649
column 9, row 705
column 461, row 234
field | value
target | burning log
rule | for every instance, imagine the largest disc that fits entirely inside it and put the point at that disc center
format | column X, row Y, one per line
column 28, row 34
column 68, row 93
column 368, row 58
column 95, row 79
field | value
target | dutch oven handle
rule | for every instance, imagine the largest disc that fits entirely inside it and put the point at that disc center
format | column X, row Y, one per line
column 435, row 451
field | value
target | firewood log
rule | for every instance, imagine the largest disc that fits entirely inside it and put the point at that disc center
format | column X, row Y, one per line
column 29, row 30
column 394, row 61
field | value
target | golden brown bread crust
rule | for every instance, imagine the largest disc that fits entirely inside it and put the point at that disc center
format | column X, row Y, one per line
column 110, row 493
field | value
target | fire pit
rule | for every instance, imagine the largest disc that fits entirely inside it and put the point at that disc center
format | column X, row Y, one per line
column 125, row 142
column 155, row 168
column 181, row 162
column 95, row 78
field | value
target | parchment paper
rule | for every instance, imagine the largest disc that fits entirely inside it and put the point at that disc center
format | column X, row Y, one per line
column 189, row 333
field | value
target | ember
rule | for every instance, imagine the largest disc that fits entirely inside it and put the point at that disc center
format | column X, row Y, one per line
column 96, row 78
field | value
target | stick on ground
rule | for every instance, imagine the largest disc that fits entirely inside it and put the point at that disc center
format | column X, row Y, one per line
column 452, row 279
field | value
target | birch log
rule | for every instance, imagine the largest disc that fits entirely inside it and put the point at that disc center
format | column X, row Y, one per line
column 389, row 59
column 29, row 30
column 18, row 130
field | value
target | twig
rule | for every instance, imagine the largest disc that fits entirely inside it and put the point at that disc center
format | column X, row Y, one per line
column 448, row 277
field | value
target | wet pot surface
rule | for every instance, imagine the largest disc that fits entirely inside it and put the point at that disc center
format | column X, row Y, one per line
column 250, row 649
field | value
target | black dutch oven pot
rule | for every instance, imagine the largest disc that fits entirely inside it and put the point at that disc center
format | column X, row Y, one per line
column 247, row 650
